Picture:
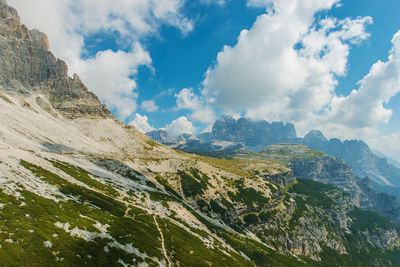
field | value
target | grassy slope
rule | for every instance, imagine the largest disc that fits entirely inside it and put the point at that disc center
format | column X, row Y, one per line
column 33, row 219
column 126, row 224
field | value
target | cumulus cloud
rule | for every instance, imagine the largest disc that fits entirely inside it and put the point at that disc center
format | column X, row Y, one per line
column 201, row 112
column 68, row 22
column 108, row 75
column 180, row 126
column 186, row 99
column 365, row 107
column 141, row 123
column 204, row 115
column 149, row 106
column 286, row 61
column 287, row 65
column 361, row 114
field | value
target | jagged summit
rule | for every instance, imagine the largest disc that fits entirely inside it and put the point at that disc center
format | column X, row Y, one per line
column 252, row 133
column 28, row 67
column 226, row 118
column 315, row 135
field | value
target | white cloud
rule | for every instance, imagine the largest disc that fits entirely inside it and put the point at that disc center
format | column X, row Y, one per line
column 201, row 112
column 286, row 67
column 141, row 123
column 323, row 58
column 67, row 22
column 204, row 115
column 286, row 60
column 389, row 144
column 186, row 99
column 149, row 106
column 361, row 114
column 108, row 76
column 365, row 107
column 180, row 126
column 259, row 3
column 263, row 65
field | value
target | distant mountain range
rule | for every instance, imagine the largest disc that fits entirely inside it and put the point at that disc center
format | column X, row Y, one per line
column 364, row 162
column 230, row 137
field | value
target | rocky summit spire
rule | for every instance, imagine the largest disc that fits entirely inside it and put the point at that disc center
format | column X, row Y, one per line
column 28, row 66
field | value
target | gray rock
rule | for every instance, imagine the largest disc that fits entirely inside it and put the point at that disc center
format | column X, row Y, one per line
column 255, row 134
column 28, row 66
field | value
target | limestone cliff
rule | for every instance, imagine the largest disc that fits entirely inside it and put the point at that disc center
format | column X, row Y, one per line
column 28, row 66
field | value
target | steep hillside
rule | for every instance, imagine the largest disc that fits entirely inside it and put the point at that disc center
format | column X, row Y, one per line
column 364, row 162
column 79, row 188
column 318, row 166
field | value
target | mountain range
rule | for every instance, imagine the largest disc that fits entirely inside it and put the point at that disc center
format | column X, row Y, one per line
column 230, row 137
column 80, row 188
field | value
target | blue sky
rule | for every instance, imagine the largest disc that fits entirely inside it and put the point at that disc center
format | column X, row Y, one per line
column 386, row 24
column 178, row 64
column 181, row 61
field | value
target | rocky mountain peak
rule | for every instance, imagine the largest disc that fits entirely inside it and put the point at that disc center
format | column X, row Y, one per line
column 252, row 133
column 160, row 136
column 224, row 126
column 315, row 135
column 28, row 66
column 226, row 118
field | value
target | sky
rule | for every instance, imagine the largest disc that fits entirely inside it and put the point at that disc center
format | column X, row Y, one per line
column 332, row 65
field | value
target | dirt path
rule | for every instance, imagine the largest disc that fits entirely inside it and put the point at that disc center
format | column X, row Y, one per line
column 164, row 250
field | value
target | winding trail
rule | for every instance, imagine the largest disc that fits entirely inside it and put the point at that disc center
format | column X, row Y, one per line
column 164, row 250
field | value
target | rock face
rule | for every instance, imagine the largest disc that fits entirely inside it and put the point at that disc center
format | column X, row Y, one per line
column 360, row 157
column 384, row 203
column 315, row 135
column 160, row 136
column 28, row 66
column 255, row 134
column 312, row 165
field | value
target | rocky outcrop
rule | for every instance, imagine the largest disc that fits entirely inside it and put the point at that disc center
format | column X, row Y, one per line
column 283, row 178
column 317, row 166
column 315, row 135
column 255, row 134
column 360, row 157
column 385, row 204
column 333, row 171
column 327, row 170
column 28, row 66
column 160, row 136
